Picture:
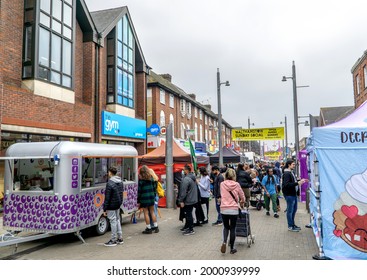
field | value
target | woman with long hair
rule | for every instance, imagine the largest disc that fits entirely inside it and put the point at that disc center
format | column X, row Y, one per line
column 231, row 192
column 147, row 190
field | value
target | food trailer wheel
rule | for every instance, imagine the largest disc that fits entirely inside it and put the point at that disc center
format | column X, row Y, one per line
column 102, row 225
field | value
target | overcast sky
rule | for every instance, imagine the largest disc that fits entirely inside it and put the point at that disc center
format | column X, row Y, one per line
column 253, row 43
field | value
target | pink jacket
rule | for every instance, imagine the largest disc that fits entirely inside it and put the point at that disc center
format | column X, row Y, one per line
column 227, row 201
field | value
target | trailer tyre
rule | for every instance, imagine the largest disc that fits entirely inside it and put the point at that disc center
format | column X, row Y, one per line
column 102, row 225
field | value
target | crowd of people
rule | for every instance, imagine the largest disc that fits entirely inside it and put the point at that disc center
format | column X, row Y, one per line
column 230, row 186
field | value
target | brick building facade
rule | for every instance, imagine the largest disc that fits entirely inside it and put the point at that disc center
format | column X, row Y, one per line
column 359, row 72
column 168, row 103
column 57, row 79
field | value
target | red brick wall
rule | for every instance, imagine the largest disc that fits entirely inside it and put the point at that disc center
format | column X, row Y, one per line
column 23, row 107
column 362, row 96
column 11, row 37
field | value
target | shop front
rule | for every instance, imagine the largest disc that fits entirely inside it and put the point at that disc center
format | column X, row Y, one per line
column 123, row 130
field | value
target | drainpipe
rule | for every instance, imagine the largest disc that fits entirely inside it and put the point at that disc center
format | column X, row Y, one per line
column 96, row 92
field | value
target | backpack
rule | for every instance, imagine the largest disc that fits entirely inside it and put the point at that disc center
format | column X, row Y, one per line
column 160, row 190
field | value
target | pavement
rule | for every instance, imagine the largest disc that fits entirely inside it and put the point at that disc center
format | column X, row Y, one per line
column 272, row 241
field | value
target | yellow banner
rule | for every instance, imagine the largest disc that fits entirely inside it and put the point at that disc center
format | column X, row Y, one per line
column 272, row 157
column 273, row 133
column 273, row 154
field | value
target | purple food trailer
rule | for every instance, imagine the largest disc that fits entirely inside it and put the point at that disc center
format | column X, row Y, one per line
column 58, row 187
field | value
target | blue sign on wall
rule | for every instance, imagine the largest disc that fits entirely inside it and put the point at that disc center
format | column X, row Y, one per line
column 154, row 129
column 118, row 125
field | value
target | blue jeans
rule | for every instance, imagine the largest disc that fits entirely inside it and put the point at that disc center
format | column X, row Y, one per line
column 291, row 209
column 217, row 206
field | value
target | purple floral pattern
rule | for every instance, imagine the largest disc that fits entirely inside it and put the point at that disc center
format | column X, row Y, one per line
column 56, row 214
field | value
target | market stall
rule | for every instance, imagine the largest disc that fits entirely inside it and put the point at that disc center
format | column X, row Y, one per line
column 181, row 156
column 337, row 156
column 229, row 156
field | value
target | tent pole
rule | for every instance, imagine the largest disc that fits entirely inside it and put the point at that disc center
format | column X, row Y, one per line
column 321, row 254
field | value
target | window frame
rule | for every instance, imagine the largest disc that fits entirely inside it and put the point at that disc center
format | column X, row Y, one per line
column 358, row 84
column 121, row 65
column 162, row 96
column 172, row 101
column 31, row 66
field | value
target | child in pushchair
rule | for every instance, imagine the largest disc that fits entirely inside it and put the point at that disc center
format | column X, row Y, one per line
column 257, row 196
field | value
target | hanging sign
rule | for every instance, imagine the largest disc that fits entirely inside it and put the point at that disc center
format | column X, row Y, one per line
column 273, row 133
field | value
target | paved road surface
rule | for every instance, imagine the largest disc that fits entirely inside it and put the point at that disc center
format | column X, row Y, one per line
column 273, row 241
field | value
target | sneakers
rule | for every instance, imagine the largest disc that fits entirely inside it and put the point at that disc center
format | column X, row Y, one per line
column 205, row 222
column 147, row 231
column 155, row 229
column 297, row 227
column 294, row 229
column 276, row 215
column 184, row 229
column 119, row 241
column 189, row 232
column 267, row 213
column 233, row 251
column 223, row 248
column 110, row 243
column 197, row 224
column 217, row 223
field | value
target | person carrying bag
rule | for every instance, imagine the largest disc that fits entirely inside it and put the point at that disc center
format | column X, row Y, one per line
column 229, row 190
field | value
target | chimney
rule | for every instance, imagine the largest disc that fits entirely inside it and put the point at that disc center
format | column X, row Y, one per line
column 208, row 106
column 167, row 77
column 193, row 96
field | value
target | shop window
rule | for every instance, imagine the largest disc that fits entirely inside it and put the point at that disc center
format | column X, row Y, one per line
column 33, row 175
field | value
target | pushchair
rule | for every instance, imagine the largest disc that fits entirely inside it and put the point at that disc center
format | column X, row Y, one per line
column 257, row 196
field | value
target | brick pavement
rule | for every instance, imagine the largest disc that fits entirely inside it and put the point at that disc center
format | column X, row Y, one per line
column 273, row 241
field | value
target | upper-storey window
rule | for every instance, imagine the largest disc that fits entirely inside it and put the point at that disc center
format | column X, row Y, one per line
column 162, row 96
column 183, row 107
column 48, row 49
column 365, row 76
column 120, row 64
column 188, row 110
column 358, row 84
column 171, row 101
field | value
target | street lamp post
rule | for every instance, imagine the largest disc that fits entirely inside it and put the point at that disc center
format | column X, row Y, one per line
column 249, row 142
column 285, row 154
column 220, row 117
column 295, row 109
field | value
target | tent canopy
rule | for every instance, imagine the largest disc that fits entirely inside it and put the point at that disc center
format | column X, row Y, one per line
column 338, row 165
column 229, row 156
column 180, row 155
column 349, row 132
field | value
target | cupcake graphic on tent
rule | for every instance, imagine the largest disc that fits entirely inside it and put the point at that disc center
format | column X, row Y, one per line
column 350, row 215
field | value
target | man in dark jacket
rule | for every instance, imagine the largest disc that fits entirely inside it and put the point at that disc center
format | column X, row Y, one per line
column 290, row 189
column 188, row 197
column 216, row 193
column 245, row 181
column 112, row 204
